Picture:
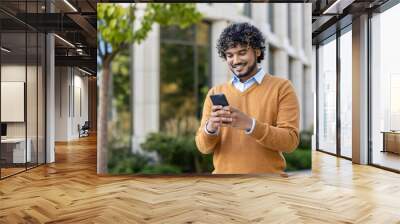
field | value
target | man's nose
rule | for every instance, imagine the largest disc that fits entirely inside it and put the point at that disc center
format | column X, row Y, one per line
column 235, row 59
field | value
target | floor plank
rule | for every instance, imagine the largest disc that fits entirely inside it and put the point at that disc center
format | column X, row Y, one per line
column 69, row 191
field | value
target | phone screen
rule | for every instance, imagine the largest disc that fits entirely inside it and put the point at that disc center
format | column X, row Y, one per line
column 219, row 99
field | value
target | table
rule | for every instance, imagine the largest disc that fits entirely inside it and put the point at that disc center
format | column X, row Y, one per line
column 391, row 141
column 15, row 148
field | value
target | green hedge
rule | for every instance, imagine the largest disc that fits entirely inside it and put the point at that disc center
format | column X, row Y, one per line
column 300, row 159
column 178, row 151
column 122, row 161
column 179, row 154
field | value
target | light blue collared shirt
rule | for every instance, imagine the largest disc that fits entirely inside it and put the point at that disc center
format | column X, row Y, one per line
column 243, row 86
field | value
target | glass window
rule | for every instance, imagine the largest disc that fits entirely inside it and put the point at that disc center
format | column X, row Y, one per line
column 271, row 60
column 346, row 94
column 291, row 69
column 385, row 84
column 22, row 90
column 14, row 151
column 327, row 96
column 185, row 63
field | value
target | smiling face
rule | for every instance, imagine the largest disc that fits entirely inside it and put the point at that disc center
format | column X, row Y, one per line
column 242, row 61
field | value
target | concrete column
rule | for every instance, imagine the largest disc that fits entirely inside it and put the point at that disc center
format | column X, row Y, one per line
column 269, row 5
column 360, row 90
column 259, row 14
column 50, row 99
column 297, row 81
column 307, row 29
column 281, row 63
column 219, row 69
column 314, row 93
column 308, row 93
column 297, row 27
column 280, row 20
column 146, row 87
column 264, row 63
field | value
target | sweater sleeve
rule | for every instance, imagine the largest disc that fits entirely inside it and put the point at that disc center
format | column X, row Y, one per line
column 206, row 142
column 285, row 135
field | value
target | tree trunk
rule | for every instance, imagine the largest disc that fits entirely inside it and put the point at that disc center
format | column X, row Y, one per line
column 102, row 135
column 197, row 164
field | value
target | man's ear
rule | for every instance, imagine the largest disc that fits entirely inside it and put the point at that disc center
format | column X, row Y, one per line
column 258, row 52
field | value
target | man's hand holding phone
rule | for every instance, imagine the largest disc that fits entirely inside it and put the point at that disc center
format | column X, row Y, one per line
column 224, row 115
column 220, row 117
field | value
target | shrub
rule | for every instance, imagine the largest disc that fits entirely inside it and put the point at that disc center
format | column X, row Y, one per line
column 179, row 154
column 305, row 139
column 300, row 159
column 123, row 161
column 178, row 151
column 160, row 169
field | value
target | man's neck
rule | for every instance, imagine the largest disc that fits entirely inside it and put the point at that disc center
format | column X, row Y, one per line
column 253, row 73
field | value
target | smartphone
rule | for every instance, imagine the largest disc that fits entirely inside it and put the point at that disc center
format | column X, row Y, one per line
column 219, row 99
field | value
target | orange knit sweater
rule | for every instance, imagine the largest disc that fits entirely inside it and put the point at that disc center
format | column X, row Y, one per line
column 274, row 105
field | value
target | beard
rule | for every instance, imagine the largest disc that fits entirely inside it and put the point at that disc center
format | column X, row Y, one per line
column 247, row 73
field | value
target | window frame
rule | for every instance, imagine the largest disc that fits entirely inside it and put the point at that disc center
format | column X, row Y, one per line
column 334, row 37
column 379, row 10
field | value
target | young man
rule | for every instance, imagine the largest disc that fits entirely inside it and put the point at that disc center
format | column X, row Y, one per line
column 262, row 119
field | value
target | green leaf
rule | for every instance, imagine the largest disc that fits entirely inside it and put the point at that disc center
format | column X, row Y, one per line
column 113, row 23
column 110, row 11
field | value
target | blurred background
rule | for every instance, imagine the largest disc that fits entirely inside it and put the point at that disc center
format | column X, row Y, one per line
column 158, row 85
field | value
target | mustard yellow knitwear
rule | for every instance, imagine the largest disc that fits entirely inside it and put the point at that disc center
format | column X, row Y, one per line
column 274, row 105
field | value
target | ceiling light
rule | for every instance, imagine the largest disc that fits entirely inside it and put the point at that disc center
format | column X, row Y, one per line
column 65, row 41
column 337, row 7
column 86, row 72
column 70, row 5
column 5, row 49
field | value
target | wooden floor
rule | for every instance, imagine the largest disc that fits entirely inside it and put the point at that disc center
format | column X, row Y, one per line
column 5, row 172
column 69, row 191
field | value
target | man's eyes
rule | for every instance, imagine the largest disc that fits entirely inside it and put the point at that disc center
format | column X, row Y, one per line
column 241, row 53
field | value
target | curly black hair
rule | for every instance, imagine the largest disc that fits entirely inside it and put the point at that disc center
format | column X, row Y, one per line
column 242, row 34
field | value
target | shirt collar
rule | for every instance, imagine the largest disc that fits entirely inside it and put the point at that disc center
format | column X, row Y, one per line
column 258, row 77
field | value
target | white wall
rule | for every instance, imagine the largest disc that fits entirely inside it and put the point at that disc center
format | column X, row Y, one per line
column 71, row 94
column 12, row 73
column 33, row 126
column 61, row 103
